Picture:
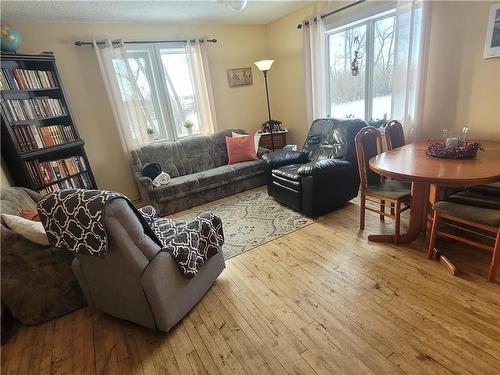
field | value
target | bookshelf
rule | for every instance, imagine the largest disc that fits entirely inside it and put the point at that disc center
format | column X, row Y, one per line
column 41, row 145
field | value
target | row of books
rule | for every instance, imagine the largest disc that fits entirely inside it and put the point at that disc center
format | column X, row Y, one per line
column 81, row 181
column 24, row 79
column 30, row 109
column 45, row 172
column 32, row 137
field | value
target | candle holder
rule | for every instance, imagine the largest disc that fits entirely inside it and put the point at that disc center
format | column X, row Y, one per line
column 454, row 138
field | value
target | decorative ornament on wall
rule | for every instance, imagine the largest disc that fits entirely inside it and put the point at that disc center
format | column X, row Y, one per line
column 10, row 39
column 357, row 57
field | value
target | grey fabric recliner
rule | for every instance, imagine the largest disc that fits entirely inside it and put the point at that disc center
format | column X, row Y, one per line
column 135, row 280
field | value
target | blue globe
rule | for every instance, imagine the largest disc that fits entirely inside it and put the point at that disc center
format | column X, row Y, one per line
column 10, row 38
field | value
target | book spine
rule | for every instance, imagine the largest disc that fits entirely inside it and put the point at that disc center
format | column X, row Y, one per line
column 36, row 136
column 19, row 137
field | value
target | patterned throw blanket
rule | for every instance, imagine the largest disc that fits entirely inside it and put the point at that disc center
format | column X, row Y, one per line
column 191, row 243
column 74, row 220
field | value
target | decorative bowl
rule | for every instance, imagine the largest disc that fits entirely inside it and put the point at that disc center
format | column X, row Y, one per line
column 462, row 151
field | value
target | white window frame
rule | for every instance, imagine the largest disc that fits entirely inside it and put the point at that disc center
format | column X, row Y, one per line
column 155, row 75
column 369, row 21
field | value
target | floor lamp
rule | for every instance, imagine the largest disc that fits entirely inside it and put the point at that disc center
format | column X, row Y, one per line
column 264, row 66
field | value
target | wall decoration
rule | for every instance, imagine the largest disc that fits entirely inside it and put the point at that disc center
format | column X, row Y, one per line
column 357, row 57
column 239, row 77
column 492, row 42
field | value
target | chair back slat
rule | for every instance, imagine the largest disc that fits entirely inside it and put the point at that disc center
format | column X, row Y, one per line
column 394, row 135
column 368, row 144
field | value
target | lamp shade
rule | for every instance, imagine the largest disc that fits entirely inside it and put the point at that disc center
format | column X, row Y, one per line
column 264, row 65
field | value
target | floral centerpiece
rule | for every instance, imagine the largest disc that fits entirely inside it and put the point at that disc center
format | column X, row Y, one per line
column 460, row 151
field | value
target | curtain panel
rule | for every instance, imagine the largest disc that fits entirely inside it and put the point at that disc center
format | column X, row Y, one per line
column 198, row 57
column 315, row 62
column 410, row 61
column 129, row 108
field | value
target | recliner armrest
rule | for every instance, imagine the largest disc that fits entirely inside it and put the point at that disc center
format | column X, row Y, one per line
column 280, row 158
column 321, row 167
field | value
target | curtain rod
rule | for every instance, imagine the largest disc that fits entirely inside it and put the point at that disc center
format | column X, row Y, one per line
column 79, row 43
column 299, row 26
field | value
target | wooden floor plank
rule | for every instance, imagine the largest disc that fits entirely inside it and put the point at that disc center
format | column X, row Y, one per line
column 320, row 300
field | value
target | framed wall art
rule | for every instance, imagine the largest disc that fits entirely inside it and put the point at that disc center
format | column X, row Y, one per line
column 492, row 42
column 239, row 77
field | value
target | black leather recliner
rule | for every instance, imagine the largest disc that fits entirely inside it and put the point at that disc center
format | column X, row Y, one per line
column 321, row 177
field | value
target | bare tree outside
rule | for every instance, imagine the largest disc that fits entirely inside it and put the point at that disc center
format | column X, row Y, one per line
column 347, row 92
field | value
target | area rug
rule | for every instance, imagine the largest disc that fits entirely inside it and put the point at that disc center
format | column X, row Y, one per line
column 253, row 220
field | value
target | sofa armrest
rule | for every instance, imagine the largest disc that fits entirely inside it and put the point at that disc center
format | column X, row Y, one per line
column 322, row 167
column 280, row 158
column 145, row 185
column 261, row 151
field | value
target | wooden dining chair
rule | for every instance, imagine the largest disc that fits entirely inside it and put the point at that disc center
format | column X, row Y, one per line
column 466, row 213
column 394, row 135
column 374, row 187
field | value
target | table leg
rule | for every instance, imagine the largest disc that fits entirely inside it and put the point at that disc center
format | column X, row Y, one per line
column 418, row 210
column 433, row 198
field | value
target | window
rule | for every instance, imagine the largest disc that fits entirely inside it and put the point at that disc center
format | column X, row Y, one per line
column 368, row 94
column 163, row 75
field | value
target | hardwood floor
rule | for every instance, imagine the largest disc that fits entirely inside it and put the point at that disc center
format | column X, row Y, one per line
column 320, row 300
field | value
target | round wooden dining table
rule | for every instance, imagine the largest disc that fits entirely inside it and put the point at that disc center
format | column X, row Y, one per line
column 411, row 163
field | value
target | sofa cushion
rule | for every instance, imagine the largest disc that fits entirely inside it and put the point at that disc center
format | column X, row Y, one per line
column 215, row 176
column 13, row 200
column 195, row 154
column 178, row 186
column 164, row 153
column 248, row 168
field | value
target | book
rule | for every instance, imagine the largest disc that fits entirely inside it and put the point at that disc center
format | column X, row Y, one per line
column 25, row 79
column 47, row 172
column 81, row 181
column 32, row 109
column 32, row 137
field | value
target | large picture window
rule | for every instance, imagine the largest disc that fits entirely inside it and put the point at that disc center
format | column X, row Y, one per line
column 366, row 95
column 162, row 75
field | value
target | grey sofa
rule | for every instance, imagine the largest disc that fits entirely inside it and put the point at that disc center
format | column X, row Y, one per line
column 37, row 281
column 199, row 170
column 137, row 281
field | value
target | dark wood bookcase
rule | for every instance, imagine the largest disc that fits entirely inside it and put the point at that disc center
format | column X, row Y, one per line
column 37, row 127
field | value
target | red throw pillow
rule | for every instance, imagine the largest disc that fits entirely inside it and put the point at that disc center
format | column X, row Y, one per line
column 29, row 215
column 240, row 149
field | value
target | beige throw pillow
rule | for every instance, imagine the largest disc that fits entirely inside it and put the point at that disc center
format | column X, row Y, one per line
column 256, row 139
column 31, row 230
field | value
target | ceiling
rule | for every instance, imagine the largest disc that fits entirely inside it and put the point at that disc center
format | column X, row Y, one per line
column 210, row 11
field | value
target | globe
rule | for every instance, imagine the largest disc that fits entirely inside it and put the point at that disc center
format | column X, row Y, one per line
column 10, row 38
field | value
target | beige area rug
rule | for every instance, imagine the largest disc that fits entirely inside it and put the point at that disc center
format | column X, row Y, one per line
column 252, row 220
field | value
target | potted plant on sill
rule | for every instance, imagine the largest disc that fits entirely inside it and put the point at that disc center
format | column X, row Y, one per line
column 151, row 134
column 188, row 125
